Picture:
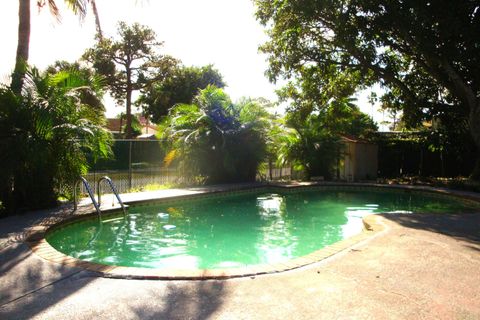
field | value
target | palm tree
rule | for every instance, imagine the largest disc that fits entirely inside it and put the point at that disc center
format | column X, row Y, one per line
column 97, row 19
column 215, row 139
column 22, row 45
column 49, row 133
column 310, row 146
column 79, row 7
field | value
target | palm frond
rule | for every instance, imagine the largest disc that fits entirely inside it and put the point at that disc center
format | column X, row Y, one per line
column 79, row 7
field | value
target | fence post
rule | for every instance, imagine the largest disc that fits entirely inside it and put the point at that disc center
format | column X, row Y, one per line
column 270, row 169
column 130, row 164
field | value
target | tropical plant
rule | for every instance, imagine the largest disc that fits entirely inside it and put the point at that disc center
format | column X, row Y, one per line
column 278, row 135
column 48, row 133
column 129, row 63
column 310, row 146
column 216, row 140
column 92, row 98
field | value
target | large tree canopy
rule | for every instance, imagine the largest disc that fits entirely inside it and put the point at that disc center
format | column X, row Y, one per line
column 181, row 86
column 129, row 63
column 425, row 53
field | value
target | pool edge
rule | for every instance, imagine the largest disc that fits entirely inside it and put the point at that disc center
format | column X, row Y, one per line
column 38, row 244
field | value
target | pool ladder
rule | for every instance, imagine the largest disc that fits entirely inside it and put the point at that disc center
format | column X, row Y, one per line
column 90, row 192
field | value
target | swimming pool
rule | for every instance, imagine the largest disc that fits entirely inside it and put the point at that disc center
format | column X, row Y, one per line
column 257, row 227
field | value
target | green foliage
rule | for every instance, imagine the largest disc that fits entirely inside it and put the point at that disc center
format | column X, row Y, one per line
column 85, row 76
column 313, row 142
column 406, row 45
column 181, row 86
column 342, row 116
column 47, row 134
column 425, row 54
column 136, row 126
column 314, row 149
column 78, row 7
column 129, row 63
column 216, row 140
column 425, row 153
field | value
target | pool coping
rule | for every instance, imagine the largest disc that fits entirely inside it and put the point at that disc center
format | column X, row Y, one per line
column 371, row 225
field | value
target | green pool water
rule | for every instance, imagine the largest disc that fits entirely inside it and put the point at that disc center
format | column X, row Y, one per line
column 235, row 230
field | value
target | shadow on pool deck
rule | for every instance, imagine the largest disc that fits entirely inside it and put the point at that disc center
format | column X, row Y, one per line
column 197, row 300
column 460, row 226
column 22, row 274
column 81, row 295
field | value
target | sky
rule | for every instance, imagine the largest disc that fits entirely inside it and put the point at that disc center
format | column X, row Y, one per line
column 218, row 32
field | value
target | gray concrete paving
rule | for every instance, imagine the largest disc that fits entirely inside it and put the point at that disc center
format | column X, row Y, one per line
column 420, row 267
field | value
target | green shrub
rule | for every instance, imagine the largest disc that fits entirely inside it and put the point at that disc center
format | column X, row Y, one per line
column 47, row 132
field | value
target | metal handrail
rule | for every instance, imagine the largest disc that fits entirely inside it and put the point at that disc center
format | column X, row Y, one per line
column 115, row 192
column 90, row 193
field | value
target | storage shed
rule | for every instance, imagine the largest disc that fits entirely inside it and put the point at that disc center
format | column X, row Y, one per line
column 359, row 160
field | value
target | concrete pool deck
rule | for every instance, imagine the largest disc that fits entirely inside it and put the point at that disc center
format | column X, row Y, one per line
column 420, row 267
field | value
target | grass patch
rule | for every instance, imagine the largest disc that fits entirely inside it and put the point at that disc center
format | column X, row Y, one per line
column 152, row 187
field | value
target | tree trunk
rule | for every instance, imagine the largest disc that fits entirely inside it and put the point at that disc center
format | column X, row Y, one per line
column 22, row 46
column 121, row 123
column 466, row 93
column 97, row 19
column 128, row 125
column 474, row 123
